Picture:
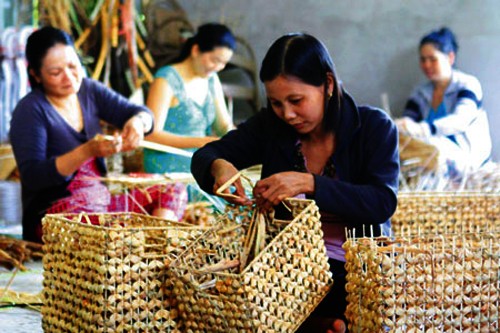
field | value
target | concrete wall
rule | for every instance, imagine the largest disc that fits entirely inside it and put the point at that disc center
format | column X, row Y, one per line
column 374, row 42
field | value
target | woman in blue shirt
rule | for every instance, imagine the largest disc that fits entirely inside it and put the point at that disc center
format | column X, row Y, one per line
column 187, row 99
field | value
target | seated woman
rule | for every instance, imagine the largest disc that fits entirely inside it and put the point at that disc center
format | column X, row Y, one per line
column 187, row 99
column 447, row 110
column 54, row 133
column 313, row 141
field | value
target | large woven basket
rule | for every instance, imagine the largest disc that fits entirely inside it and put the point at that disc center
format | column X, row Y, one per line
column 275, row 292
column 424, row 284
column 107, row 272
column 445, row 212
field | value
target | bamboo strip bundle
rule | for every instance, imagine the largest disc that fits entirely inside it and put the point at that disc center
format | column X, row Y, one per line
column 115, row 24
column 445, row 212
column 15, row 252
column 274, row 292
column 52, row 12
column 108, row 272
column 423, row 284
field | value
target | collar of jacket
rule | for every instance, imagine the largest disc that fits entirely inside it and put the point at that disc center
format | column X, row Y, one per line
column 348, row 121
column 428, row 90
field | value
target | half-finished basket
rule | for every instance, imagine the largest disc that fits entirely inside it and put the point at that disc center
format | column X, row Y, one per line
column 275, row 292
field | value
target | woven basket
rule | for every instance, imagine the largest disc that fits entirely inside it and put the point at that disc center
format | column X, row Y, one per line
column 107, row 272
column 424, row 284
column 275, row 292
column 446, row 212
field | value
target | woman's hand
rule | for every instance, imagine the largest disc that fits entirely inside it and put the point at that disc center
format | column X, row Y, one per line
column 418, row 130
column 270, row 191
column 133, row 130
column 223, row 171
column 104, row 146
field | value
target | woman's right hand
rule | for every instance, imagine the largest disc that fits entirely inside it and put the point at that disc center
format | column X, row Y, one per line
column 419, row 130
column 223, row 171
column 104, row 146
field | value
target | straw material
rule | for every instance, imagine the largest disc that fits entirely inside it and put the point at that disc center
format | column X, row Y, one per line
column 416, row 154
column 423, row 284
column 107, row 272
column 446, row 212
column 15, row 252
column 7, row 161
column 269, row 279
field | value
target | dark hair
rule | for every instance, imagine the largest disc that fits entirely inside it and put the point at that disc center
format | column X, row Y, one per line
column 443, row 39
column 306, row 58
column 37, row 45
column 208, row 37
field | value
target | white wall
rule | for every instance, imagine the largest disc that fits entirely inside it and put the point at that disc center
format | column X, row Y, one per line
column 374, row 42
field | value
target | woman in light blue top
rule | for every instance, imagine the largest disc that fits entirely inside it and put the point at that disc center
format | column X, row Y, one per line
column 446, row 111
column 187, row 99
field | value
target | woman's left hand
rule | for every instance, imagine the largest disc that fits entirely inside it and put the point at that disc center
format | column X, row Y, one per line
column 133, row 133
column 270, row 191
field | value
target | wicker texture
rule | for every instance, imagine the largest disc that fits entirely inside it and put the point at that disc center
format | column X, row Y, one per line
column 274, row 292
column 446, row 212
column 107, row 272
column 424, row 284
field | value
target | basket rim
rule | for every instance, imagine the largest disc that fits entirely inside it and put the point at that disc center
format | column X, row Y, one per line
column 412, row 239
column 63, row 217
column 451, row 194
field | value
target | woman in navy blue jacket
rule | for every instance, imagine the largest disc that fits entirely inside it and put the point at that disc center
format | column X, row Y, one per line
column 312, row 141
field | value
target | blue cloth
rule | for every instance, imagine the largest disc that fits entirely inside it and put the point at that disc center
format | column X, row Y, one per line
column 188, row 118
column 366, row 161
column 435, row 114
column 39, row 134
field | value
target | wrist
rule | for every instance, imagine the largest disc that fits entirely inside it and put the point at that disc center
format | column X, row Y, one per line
column 217, row 165
column 309, row 184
